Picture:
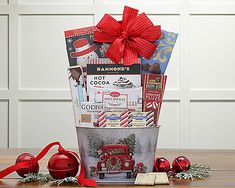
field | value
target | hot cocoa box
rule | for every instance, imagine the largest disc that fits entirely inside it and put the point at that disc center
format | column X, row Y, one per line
column 113, row 76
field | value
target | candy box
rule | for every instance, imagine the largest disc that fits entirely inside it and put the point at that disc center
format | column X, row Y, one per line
column 89, row 113
column 114, row 119
column 109, row 119
column 81, row 47
column 153, row 90
column 157, row 64
column 141, row 119
column 113, row 76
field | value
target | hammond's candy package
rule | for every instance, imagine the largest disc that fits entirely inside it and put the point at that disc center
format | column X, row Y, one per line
column 157, row 64
column 113, row 76
column 153, row 90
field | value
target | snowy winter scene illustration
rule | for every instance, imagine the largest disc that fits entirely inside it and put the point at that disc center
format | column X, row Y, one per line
column 81, row 49
column 117, row 154
column 84, row 51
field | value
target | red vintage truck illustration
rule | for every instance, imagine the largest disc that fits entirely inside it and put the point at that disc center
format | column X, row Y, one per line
column 115, row 158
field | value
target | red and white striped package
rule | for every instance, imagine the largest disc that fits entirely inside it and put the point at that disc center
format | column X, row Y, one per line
column 124, row 121
column 113, row 119
column 107, row 61
column 141, row 119
column 153, row 91
column 102, row 119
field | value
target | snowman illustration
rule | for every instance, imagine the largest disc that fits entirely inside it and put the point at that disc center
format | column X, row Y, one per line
column 83, row 51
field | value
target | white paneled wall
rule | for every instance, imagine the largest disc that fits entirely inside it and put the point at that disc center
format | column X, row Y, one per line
column 35, row 105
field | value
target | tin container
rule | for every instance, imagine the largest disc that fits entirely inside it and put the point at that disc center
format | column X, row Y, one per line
column 116, row 155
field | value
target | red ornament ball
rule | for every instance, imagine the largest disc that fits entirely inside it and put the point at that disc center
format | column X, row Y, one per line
column 161, row 165
column 181, row 164
column 33, row 168
column 62, row 165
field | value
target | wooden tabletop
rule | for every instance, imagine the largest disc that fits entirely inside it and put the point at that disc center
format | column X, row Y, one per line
column 222, row 163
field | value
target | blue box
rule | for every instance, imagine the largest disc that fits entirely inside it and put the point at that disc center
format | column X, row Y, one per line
column 157, row 64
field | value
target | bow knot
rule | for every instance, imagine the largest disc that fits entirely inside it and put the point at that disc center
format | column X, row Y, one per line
column 125, row 35
column 132, row 37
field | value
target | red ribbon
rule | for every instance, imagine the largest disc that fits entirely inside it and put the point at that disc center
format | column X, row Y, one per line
column 134, row 35
column 81, row 177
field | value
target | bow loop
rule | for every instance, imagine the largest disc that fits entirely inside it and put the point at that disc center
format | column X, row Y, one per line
column 152, row 33
column 115, row 51
column 109, row 25
column 129, row 14
column 140, row 24
column 134, row 35
column 144, row 47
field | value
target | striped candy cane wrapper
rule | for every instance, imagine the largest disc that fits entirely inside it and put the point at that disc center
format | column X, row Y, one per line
column 106, row 61
column 150, row 119
column 130, row 121
column 124, row 121
column 102, row 119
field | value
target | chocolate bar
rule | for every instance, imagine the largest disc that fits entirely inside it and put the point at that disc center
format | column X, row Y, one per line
column 114, row 119
column 145, row 179
column 89, row 113
column 141, row 119
column 109, row 119
column 153, row 89
column 161, row 178
column 118, row 99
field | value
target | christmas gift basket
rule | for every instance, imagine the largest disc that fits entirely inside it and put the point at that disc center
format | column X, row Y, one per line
column 116, row 75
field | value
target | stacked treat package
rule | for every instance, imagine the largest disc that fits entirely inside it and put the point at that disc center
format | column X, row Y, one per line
column 106, row 94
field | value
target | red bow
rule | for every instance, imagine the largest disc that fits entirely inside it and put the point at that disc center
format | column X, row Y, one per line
column 134, row 35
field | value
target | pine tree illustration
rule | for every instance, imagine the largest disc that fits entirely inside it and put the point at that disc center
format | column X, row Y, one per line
column 95, row 143
column 130, row 141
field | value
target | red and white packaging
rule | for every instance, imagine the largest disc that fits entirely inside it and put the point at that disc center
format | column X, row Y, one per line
column 153, row 91
column 117, row 99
